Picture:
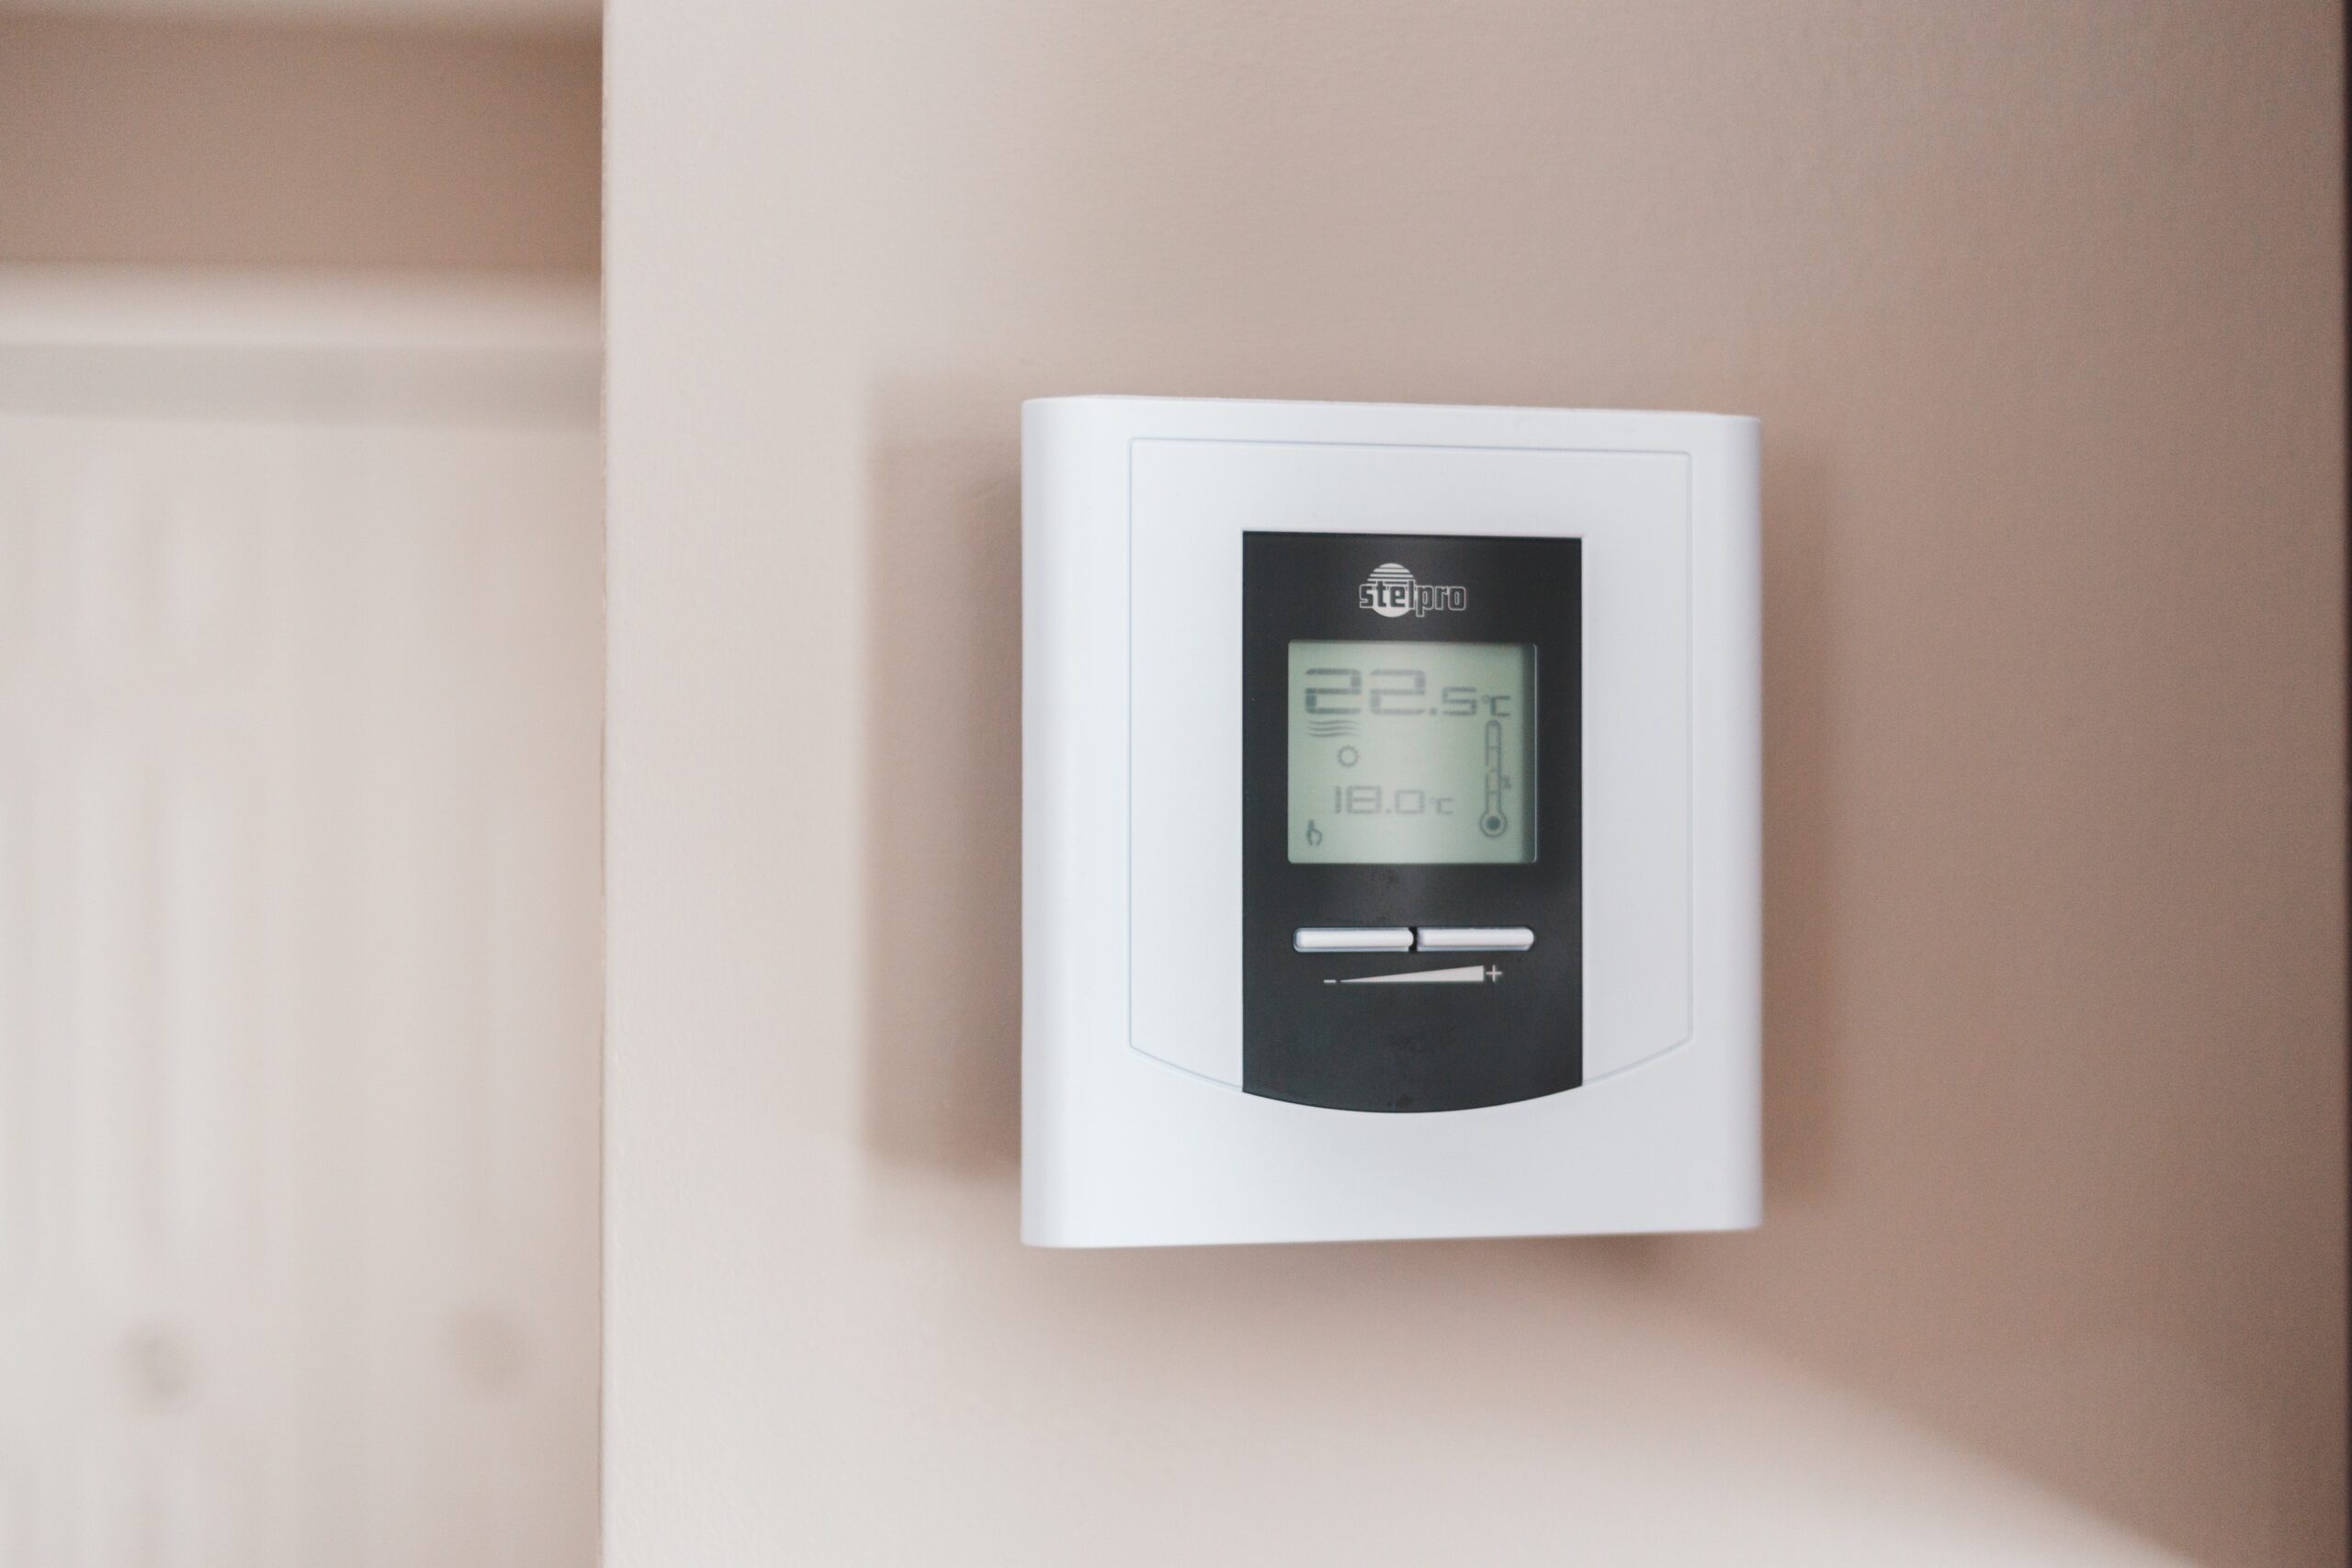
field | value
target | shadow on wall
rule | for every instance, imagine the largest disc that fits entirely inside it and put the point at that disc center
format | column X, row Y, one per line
column 943, row 788
column 1800, row 968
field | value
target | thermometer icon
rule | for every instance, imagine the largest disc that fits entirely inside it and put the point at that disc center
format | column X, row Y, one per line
column 1492, row 821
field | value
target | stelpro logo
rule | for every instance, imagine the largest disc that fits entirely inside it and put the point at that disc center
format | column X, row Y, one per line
column 1392, row 591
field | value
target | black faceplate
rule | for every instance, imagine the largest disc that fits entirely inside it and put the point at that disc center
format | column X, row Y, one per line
column 1514, row 1036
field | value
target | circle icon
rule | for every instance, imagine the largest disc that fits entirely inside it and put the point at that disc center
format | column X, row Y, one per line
column 1392, row 589
column 1348, row 756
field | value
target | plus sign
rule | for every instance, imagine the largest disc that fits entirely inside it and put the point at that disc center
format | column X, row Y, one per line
column 1493, row 973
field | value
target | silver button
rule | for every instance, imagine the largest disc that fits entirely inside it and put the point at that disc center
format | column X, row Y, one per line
column 1475, row 939
column 1352, row 939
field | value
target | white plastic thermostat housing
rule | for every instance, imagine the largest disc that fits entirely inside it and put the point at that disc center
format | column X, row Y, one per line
column 1160, row 1106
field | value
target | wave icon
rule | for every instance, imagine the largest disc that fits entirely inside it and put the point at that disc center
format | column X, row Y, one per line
column 1330, row 728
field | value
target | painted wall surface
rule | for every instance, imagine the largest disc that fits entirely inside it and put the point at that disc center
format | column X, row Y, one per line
column 2040, row 307
column 220, row 143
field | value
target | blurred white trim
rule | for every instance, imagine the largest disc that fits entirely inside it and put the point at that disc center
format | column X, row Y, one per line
column 301, row 346
column 506, row 15
column 254, row 309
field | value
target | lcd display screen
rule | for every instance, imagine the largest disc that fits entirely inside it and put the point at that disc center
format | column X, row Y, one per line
column 1411, row 753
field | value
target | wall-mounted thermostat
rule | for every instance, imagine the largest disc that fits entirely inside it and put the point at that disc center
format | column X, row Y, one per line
column 1390, row 822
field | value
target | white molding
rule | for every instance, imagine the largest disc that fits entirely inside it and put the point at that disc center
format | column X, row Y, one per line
column 261, row 308
column 526, row 17
column 301, row 344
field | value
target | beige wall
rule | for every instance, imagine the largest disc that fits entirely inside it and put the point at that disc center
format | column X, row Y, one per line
column 2040, row 307
column 214, row 143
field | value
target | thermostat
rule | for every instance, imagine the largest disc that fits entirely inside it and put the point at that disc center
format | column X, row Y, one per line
column 1390, row 816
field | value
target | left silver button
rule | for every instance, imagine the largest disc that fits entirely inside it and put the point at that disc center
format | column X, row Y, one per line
column 1352, row 939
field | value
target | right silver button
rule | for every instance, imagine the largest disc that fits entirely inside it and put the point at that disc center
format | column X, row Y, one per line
column 1474, row 939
